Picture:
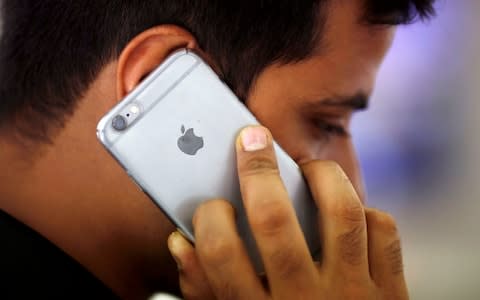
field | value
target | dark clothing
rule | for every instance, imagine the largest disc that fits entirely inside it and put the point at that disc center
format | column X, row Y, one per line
column 31, row 267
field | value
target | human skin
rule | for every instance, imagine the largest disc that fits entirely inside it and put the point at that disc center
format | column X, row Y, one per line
column 73, row 193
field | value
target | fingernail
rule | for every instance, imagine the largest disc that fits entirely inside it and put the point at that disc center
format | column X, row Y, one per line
column 254, row 139
column 176, row 247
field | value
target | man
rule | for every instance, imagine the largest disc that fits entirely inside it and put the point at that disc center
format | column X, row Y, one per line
column 302, row 67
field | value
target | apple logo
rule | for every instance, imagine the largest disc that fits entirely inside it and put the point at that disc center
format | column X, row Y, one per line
column 189, row 143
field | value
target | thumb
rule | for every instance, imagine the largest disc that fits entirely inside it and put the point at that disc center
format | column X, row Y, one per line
column 193, row 281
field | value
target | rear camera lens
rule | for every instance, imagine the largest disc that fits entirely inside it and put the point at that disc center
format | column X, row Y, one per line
column 119, row 123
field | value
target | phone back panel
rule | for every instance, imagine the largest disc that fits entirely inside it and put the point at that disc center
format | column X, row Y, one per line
column 185, row 93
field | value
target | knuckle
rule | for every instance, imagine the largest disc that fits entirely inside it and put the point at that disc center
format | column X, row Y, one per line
column 351, row 246
column 351, row 211
column 393, row 253
column 259, row 164
column 269, row 218
column 215, row 251
column 287, row 262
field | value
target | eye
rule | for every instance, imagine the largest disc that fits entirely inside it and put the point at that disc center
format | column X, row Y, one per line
column 329, row 129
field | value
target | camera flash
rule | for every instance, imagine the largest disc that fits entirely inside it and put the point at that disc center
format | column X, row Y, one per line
column 134, row 109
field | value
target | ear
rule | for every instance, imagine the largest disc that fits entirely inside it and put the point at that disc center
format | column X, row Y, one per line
column 146, row 51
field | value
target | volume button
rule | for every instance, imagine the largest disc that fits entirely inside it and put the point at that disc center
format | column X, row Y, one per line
column 135, row 181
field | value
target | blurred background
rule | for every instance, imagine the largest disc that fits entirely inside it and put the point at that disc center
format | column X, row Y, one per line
column 419, row 147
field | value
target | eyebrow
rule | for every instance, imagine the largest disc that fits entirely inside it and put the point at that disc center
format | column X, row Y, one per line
column 357, row 102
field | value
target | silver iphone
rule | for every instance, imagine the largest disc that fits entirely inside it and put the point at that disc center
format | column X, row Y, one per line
column 175, row 136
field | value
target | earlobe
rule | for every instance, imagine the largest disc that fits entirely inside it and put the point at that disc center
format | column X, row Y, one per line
column 146, row 51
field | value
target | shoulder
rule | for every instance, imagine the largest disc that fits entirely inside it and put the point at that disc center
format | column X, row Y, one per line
column 32, row 266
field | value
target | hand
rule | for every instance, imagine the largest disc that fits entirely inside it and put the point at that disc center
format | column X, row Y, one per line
column 361, row 256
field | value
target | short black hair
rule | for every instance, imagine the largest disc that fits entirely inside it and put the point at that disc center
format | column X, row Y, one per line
column 52, row 50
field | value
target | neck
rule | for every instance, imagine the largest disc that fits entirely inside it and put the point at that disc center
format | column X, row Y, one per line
column 76, row 196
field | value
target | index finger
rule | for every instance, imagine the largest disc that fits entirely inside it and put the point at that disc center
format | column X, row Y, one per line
column 341, row 220
column 271, row 215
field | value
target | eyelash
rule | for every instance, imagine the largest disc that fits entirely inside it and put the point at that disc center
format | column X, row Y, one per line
column 330, row 129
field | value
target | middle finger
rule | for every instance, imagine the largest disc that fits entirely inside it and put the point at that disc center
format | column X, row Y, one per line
column 273, row 221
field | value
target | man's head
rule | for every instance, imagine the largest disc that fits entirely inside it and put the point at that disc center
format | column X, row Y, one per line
column 302, row 67
column 52, row 51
